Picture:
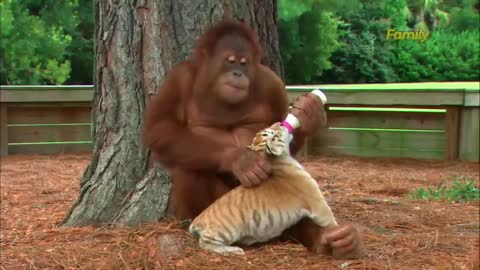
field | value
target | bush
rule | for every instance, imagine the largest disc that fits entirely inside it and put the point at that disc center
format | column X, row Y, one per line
column 444, row 56
column 465, row 16
column 364, row 55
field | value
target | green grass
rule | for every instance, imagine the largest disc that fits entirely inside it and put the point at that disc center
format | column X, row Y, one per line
column 460, row 189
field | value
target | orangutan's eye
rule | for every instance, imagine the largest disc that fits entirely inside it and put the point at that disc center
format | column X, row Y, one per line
column 243, row 60
column 231, row 59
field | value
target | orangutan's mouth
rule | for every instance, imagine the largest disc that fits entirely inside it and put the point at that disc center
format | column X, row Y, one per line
column 235, row 87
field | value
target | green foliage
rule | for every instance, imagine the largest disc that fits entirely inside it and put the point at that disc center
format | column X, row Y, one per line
column 56, row 72
column 460, row 190
column 397, row 11
column 33, row 51
column 444, row 56
column 364, row 54
column 307, row 45
column 308, row 36
column 465, row 16
column 322, row 41
column 451, row 53
column 77, row 19
column 291, row 9
column 81, row 52
column 426, row 15
column 48, row 42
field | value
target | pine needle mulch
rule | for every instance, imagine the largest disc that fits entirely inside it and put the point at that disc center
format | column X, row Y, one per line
column 398, row 232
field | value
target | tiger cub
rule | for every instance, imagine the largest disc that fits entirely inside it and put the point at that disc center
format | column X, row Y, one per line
column 254, row 215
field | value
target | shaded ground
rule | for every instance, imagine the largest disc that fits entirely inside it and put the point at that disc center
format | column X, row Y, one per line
column 399, row 233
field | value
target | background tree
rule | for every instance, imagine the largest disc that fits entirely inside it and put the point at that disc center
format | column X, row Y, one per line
column 309, row 36
column 426, row 14
column 137, row 43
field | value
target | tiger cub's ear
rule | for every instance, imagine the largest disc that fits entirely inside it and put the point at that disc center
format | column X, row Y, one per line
column 258, row 144
column 276, row 126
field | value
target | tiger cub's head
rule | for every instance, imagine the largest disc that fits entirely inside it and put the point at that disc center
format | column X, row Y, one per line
column 274, row 140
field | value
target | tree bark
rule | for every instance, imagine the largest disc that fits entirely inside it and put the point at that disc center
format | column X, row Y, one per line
column 137, row 43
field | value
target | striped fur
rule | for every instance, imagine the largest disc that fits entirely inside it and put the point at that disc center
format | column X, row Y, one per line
column 252, row 215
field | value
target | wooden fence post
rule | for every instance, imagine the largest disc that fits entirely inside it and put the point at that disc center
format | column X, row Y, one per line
column 3, row 130
column 469, row 126
column 452, row 132
column 469, row 134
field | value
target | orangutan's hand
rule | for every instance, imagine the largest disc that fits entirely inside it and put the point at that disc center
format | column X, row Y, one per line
column 342, row 241
column 310, row 112
column 250, row 168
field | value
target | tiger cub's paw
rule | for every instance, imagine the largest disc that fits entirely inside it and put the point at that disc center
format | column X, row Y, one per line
column 233, row 251
column 227, row 250
column 221, row 249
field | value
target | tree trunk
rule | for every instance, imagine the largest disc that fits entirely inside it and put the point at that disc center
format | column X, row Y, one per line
column 137, row 42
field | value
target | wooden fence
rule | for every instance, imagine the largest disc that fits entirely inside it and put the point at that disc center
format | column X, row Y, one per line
column 418, row 120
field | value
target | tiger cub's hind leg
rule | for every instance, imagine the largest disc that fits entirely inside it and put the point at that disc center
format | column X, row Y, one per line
column 217, row 245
